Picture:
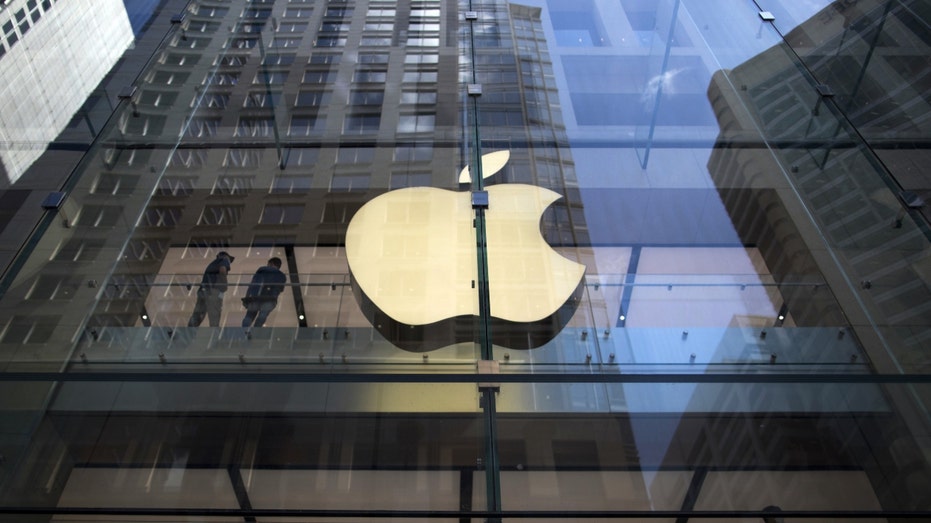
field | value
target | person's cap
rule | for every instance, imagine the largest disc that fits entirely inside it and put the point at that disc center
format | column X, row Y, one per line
column 228, row 255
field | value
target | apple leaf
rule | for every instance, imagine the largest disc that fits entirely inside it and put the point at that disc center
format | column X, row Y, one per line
column 491, row 164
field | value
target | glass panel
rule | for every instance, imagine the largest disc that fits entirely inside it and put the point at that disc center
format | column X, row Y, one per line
column 278, row 260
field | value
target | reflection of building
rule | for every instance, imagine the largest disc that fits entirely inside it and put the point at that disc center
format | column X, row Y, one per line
column 44, row 87
column 261, row 127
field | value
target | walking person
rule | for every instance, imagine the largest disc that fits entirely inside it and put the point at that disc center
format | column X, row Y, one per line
column 210, row 293
column 262, row 295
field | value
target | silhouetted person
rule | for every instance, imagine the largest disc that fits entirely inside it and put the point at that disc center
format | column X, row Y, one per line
column 262, row 295
column 210, row 292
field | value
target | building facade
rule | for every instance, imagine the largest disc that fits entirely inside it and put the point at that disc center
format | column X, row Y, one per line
column 590, row 260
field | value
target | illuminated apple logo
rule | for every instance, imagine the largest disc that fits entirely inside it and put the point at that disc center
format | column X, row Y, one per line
column 413, row 265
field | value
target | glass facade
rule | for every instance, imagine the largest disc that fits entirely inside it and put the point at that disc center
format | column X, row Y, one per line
column 465, row 260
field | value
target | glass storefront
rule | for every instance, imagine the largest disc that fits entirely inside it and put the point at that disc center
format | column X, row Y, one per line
column 462, row 260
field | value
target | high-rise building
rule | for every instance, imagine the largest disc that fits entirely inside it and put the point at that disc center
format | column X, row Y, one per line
column 593, row 260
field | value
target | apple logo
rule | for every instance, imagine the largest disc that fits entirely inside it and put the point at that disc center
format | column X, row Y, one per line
column 412, row 258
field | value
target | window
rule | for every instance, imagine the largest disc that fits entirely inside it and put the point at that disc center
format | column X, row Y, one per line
column 355, row 155
column 421, row 58
column 318, row 77
column 324, row 59
column 301, row 156
column 416, row 123
column 374, row 41
column 270, row 77
column 243, row 43
column 373, row 58
column 298, row 12
column 161, row 216
column 220, row 215
column 413, row 153
column 99, row 216
column 312, row 98
column 282, row 214
column 419, row 77
column 233, row 185
column 304, row 125
column 360, row 124
column 292, row 27
column 350, row 182
column 243, row 158
column 339, row 212
column 418, row 97
column 235, row 60
column 32, row 328
column 279, row 59
column 330, row 41
column 262, row 99
column 282, row 43
column 255, row 127
column 370, row 77
column 366, row 98
column 78, row 250
column 404, row 179
column 108, row 183
column 290, row 184
column 175, row 186
column 214, row 100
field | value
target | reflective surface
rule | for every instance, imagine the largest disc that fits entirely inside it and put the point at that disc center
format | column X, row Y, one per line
column 742, row 183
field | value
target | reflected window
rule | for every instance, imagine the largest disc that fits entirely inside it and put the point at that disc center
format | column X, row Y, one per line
column 115, row 184
column 224, row 78
column 422, row 58
column 213, row 100
column 312, row 98
column 292, row 27
column 33, row 328
column 262, row 99
column 330, row 41
column 324, row 59
column 305, row 125
column 416, row 123
column 413, row 153
column 370, row 77
column 175, row 186
column 318, row 77
column 410, row 179
column 374, row 41
column 279, row 59
column 339, row 212
column 99, row 216
column 221, row 215
column 233, row 185
column 420, row 77
column 270, row 77
column 188, row 159
column 350, row 182
column 301, row 156
column 78, row 250
column 243, row 158
column 282, row 214
column 243, row 43
column 418, row 97
column 284, row 43
column 255, row 127
column 148, row 249
column 290, row 184
column 361, row 124
column 355, row 155
column 366, row 98
column 298, row 12
column 161, row 216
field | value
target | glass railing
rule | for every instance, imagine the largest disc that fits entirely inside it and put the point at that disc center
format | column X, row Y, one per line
column 683, row 323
